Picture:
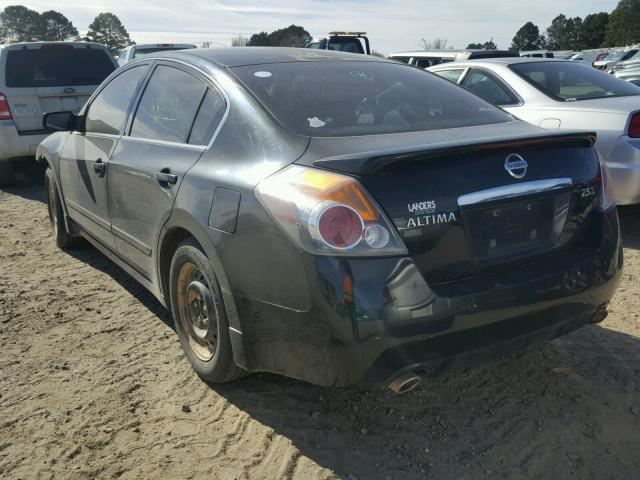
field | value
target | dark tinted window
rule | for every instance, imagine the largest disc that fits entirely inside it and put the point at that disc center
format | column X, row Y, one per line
column 168, row 106
column 569, row 81
column 349, row 45
column 108, row 111
column 57, row 66
column 208, row 118
column 488, row 87
column 363, row 98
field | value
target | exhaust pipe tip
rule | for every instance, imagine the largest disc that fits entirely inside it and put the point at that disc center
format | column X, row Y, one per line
column 404, row 383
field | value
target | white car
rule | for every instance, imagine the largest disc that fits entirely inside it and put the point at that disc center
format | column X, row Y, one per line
column 564, row 95
column 588, row 58
column 136, row 51
column 41, row 77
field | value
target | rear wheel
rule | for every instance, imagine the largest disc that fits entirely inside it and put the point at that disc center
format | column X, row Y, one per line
column 6, row 174
column 199, row 315
column 56, row 217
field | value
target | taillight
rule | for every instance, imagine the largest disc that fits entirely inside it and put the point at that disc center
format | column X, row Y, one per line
column 634, row 126
column 606, row 197
column 5, row 113
column 328, row 213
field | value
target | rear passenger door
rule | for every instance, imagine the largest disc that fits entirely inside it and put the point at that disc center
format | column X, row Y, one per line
column 173, row 124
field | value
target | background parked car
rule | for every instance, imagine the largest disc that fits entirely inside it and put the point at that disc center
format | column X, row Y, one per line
column 537, row 54
column 587, row 58
column 631, row 75
column 561, row 95
column 351, row 42
column 609, row 62
column 424, row 59
column 41, row 77
column 136, row 51
column 631, row 62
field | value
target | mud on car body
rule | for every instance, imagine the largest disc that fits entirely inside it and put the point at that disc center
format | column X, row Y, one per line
column 331, row 217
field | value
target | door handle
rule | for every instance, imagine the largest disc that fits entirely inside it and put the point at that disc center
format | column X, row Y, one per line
column 166, row 178
column 99, row 167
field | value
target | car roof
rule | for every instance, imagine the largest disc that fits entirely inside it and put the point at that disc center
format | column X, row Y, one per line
column 239, row 56
column 163, row 45
column 19, row 45
column 499, row 61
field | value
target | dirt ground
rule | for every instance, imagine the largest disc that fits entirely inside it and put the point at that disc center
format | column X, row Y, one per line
column 93, row 384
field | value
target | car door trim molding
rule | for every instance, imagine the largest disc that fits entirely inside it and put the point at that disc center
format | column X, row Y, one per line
column 514, row 190
column 88, row 214
column 131, row 240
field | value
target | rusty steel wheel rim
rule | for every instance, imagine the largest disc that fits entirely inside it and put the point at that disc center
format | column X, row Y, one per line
column 196, row 311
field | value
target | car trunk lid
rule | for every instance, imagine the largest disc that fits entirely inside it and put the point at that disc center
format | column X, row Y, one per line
column 472, row 202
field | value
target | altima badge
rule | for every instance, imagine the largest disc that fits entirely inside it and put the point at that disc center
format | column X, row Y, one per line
column 516, row 166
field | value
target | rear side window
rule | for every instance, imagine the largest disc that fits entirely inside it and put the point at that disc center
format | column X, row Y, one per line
column 488, row 87
column 451, row 75
column 332, row 98
column 168, row 106
column 108, row 111
column 570, row 81
column 57, row 66
column 209, row 117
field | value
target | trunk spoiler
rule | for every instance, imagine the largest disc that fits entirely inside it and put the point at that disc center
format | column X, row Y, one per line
column 367, row 163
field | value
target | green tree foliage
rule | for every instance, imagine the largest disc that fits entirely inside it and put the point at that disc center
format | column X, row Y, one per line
column 490, row 45
column 528, row 38
column 292, row 36
column 259, row 40
column 594, row 29
column 19, row 24
column 107, row 29
column 55, row 26
column 564, row 33
column 624, row 24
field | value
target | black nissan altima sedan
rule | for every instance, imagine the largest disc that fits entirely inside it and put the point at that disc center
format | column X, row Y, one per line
column 332, row 217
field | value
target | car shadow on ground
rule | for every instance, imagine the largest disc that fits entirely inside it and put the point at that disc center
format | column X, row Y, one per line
column 88, row 254
column 543, row 408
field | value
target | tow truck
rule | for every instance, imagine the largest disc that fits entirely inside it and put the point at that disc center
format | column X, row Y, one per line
column 353, row 42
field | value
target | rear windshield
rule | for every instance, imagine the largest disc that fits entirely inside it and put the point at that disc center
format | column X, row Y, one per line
column 363, row 98
column 57, row 66
column 570, row 82
column 141, row 52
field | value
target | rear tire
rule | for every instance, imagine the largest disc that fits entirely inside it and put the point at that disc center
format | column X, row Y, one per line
column 199, row 315
column 7, row 176
column 63, row 239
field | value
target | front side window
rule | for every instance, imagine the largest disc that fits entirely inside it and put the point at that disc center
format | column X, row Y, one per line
column 108, row 111
column 488, row 87
column 570, row 82
column 339, row 98
column 168, row 106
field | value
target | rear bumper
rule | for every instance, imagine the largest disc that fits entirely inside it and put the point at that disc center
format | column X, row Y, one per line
column 372, row 333
column 14, row 145
column 624, row 165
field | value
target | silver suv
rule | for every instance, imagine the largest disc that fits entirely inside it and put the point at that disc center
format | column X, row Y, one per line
column 41, row 77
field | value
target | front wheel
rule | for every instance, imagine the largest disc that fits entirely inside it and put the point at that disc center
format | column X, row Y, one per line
column 56, row 217
column 199, row 315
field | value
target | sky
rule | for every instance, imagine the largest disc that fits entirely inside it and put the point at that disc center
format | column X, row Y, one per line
column 391, row 25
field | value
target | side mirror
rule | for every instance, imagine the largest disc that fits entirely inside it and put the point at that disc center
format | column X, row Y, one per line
column 59, row 121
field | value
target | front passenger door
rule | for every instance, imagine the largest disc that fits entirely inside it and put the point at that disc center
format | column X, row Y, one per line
column 85, row 156
column 167, row 136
